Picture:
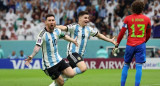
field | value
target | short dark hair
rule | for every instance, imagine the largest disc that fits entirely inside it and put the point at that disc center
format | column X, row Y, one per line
column 83, row 13
column 137, row 7
column 49, row 15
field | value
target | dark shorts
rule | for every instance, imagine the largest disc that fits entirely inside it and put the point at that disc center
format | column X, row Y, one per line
column 55, row 71
column 73, row 59
column 138, row 51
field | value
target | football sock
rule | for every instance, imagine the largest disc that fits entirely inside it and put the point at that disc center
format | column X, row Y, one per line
column 77, row 70
column 138, row 74
column 64, row 77
column 124, row 74
column 53, row 84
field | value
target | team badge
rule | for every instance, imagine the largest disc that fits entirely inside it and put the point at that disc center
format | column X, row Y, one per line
column 39, row 41
column 79, row 58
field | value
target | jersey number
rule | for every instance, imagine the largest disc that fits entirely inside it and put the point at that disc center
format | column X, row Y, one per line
column 141, row 26
column 54, row 42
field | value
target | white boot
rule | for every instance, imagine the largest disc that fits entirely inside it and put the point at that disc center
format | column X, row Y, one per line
column 53, row 84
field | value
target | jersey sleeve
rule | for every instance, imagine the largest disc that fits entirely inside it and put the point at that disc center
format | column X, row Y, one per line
column 148, row 31
column 71, row 27
column 39, row 40
column 125, row 23
column 94, row 32
column 62, row 34
column 123, row 30
column 59, row 33
column 149, row 24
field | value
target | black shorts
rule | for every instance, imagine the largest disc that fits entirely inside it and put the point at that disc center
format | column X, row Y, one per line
column 55, row 71
column 73, row 59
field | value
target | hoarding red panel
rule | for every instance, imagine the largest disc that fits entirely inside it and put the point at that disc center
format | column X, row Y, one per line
column 110, row 63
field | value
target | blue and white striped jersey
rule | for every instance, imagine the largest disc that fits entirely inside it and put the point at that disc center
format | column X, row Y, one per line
column 48, row 42
column 82, row 34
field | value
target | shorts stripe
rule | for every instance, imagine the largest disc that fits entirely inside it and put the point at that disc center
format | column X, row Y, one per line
column 73, row 58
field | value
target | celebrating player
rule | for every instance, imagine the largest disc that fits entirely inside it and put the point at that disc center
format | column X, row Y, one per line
column 82, row 32
column 53, row 64
column 139, row 29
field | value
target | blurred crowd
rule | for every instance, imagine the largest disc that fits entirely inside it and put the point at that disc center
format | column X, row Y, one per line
column 23, row 19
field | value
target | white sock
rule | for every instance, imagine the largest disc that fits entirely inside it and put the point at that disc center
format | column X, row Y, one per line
column 53, row 84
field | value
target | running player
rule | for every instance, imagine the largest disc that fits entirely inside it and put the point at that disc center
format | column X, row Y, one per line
column 82, row 32
column 52, row 63
column 139, row 29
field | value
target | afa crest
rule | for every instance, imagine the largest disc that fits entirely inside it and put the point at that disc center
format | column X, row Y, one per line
column 79, row 58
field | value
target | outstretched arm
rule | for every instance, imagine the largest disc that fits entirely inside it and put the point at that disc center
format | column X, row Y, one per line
column 120, row 36
column 101, row 36
column 63, row 28
column 35, row 51
column 68, row 38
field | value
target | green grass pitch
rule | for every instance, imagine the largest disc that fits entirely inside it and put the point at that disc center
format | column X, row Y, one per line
column 94, row 77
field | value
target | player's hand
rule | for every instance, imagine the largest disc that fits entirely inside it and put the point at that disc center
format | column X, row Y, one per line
column 28, row 60
column 114, row 42
column 75, row 42
column 115, row 51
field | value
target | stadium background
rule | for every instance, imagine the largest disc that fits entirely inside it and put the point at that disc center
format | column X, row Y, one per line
column 21, row 20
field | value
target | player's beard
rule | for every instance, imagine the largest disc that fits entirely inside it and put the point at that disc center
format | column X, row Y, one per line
column 51, row 27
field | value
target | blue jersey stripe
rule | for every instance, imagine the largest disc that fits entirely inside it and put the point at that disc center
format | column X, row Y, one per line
column 57, row 32
column 55, row 48
column 49, row 51
column 88, row 31
column 82, row 41
column 75, row 34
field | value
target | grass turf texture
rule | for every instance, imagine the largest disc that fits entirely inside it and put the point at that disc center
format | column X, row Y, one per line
column 95, row 77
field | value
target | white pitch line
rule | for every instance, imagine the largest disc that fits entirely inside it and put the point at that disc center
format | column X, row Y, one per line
column 155, row 84
column 152, row 85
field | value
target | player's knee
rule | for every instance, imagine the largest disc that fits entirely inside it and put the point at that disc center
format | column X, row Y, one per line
column 83, row 69
column 82, row 66
column 71, row 75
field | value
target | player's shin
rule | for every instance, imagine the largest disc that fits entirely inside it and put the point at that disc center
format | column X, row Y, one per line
column 138, row 74
column 124, row 74
column 65, row 77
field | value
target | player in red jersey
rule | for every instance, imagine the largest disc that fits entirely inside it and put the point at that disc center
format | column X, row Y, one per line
column 139, row 30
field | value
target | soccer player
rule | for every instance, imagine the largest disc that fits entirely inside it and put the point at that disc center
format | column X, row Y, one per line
column 139, row 29
column 82, row 32
column 52, row 63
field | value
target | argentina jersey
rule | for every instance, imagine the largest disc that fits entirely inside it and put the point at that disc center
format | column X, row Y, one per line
column 82, row 34
column 48, row 43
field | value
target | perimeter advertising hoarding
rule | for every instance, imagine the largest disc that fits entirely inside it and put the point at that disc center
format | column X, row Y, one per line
column 152, row 63
column 19, row 64
column 92, row 63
